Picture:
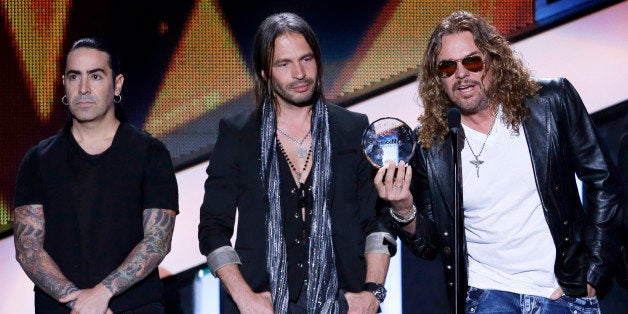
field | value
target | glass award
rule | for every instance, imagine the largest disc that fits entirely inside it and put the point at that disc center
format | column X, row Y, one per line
column 388, row 139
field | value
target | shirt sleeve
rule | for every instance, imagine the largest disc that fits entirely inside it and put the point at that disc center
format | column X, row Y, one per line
column 602, row 195
column 160, row 184
column 28, row 184
column 217, row 214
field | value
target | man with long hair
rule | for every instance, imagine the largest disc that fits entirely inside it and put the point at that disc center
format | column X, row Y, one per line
column 95, row 204
column 529, row 244
column 308, row 238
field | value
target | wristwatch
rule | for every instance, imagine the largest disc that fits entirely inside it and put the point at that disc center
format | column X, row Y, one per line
column 378, row 290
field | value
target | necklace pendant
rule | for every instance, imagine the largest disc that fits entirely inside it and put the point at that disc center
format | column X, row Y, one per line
column 301, row 152
column 477, row 164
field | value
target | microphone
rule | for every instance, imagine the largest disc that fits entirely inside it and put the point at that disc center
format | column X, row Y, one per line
column 453, row 119
column 460, row 287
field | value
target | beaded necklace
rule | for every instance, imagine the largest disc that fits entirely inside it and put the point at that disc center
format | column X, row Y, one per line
column 298, row 173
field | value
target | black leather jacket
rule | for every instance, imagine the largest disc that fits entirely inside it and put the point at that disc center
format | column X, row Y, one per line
column 562, row 142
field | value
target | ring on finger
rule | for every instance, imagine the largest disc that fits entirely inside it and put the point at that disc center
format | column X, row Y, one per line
column 397, row 185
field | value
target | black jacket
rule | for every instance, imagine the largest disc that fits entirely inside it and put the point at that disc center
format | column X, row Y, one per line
column 234, row 181
column 562, row 142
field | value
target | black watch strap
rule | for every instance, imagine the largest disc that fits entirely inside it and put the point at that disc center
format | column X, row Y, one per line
column 377, row 289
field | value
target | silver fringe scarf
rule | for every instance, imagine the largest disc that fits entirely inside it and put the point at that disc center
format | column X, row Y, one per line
column 322, row 290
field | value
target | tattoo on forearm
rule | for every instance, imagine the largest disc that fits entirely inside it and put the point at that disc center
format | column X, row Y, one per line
column 146, row 256
column 29, row 234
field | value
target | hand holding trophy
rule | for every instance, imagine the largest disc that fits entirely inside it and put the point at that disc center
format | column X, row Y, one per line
column 388, row 139
column 390, row 142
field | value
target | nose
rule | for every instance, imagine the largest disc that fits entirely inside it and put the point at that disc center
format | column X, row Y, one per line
column 461, row 71
column 298, row 71
column 84, row 87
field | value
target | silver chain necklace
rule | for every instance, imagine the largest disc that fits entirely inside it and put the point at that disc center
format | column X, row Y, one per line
column 477, row 162
column 301, row 151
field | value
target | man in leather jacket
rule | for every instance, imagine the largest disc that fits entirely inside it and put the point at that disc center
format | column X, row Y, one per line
column 528, row 243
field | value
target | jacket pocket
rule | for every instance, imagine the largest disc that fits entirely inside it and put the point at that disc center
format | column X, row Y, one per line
column 571, row 268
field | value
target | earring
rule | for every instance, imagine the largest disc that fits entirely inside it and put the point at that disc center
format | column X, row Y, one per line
column 64, row 100
column 118, row 99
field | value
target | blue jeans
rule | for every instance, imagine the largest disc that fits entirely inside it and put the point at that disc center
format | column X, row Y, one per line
column 480, row 301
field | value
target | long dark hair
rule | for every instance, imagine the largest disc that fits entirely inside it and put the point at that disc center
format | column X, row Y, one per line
column 114, row 63
column 264, row 49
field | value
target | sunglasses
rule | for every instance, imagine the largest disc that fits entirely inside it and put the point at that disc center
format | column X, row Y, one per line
column 447, row 68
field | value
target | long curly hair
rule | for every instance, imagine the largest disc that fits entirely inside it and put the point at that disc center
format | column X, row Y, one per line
column 511, row 82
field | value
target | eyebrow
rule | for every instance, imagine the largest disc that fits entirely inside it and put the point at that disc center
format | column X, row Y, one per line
column 310, row 54
column 472, row 54
column 88, row 72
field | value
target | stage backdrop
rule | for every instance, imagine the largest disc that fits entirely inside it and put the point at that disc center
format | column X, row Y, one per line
column 187, row 63
column 590, row 52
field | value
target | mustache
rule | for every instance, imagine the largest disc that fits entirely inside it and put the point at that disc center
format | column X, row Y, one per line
column 464, row 82
column 83, row 98
column 307, row 80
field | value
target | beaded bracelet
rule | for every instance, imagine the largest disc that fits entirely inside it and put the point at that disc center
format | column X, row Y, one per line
column 400, row 219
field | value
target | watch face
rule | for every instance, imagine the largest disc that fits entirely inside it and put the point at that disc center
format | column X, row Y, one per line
column 378, row 290
column 380, row 293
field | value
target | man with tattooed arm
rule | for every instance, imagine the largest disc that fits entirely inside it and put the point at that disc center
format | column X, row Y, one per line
column 95, row 204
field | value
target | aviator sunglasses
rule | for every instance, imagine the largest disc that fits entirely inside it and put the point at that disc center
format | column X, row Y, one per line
column 447, row 68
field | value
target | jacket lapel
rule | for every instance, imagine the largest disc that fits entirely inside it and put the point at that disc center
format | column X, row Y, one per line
column 441, row 161
column 537, row 128
column 337, row 143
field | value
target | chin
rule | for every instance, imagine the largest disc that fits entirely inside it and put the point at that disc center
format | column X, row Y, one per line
column 82, row 118
column 302, row 101
column 469, row 105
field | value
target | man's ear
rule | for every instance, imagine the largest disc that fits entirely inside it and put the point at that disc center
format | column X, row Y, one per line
column 263, row 74
column 119, row 81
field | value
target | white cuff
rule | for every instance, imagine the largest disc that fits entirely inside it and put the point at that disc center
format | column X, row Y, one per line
column 380, row 242
column 222, row 256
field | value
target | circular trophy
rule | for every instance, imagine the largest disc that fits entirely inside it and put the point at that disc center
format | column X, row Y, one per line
column 388, row 139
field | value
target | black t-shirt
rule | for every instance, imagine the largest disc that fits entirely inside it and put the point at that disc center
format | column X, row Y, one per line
column 93, row 206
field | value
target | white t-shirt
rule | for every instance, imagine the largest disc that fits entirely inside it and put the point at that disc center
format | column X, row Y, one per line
column 509, row 244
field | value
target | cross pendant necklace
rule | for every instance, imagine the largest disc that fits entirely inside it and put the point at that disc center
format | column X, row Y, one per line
column 477, row 162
